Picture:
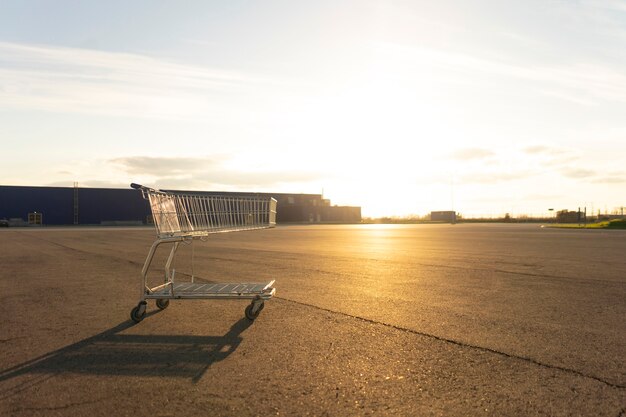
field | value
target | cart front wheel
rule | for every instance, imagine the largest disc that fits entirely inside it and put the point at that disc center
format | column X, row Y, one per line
column 162, row 303
column 139, row 312
column 253, row 315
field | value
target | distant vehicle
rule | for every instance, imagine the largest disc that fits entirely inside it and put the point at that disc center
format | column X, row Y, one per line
column 4, row 223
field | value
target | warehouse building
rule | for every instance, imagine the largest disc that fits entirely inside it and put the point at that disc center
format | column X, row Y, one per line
column 566, row 216
column 111, row 206
column 443, row 216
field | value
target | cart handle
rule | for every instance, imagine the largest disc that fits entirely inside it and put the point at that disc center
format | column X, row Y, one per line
column 144, row 190
column 141, row 187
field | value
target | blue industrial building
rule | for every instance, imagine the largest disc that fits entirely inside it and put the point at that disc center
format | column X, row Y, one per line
column 89, row 206
column 67, row 205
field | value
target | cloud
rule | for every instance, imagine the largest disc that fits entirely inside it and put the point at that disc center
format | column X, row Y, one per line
column 577, row 173
column 538, row 149
column 610, row 180
column 550, row 157
column 89, row 184
column 471, row 153
column 230, row 180
column 541, row 197
column 164, row 166
column 572, row 98
column 494, row 177
column 205, row 173
column 77, row 80
column 583, row 83
column 612, row 5
column 542, row 149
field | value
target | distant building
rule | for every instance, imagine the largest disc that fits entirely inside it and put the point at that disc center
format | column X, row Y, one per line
column 301, row 208
column 611, row 216
column 565, row 216
column 443, row 216
column 75, row 205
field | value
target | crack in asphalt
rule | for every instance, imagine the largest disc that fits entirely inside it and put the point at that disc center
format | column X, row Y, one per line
column 404, row 329
column 459, row 343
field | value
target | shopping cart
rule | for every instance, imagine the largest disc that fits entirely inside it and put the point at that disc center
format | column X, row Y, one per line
column 182, row 218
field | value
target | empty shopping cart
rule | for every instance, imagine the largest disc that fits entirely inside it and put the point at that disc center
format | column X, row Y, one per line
column 183, row 217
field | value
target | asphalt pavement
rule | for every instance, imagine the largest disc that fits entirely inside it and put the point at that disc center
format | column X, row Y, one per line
column 367, row 320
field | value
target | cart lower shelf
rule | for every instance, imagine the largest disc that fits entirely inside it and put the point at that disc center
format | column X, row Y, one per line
column 191, row 290
column 255, row 291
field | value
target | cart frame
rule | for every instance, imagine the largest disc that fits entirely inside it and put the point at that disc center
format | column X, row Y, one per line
column 184, row 217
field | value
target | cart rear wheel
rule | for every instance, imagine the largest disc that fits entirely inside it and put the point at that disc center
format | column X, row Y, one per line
column 250, row 315
column 162, row 303
column 139, row 312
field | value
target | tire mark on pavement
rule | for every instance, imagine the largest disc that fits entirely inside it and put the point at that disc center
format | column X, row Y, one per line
column 64, row 406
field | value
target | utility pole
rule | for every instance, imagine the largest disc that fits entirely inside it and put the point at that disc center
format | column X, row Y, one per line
column 452, row 192
column 592, row 211
column 75, row 202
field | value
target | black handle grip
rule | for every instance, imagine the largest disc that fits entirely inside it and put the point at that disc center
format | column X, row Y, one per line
column 136, row 186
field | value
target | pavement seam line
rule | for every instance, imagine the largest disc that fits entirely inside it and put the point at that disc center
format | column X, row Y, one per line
column 461, row 344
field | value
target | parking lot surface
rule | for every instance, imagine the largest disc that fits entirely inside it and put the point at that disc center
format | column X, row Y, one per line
column 367, row 320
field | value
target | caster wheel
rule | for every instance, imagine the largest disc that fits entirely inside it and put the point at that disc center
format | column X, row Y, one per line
column 250, row 315
column 139, row 312
column 162, row 304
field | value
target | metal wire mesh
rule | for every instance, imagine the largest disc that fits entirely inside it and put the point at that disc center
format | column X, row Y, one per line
column 192, row 215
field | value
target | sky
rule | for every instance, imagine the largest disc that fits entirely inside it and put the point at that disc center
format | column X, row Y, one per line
column 400, row 107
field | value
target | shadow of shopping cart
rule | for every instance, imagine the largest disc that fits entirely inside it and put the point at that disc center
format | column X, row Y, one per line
column 113, row 353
